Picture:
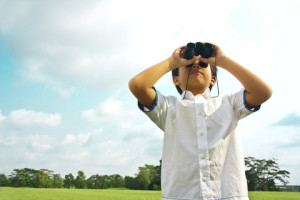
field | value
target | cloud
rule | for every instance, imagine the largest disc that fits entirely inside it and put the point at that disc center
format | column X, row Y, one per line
column 79, row 139
column 141, row 131
column 109, row 110
column 9, row 141
column 2, row 117
column 99, row 43
column 291, row 119
column 30, row 118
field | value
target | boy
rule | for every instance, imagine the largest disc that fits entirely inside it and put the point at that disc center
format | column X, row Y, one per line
column 202, row 155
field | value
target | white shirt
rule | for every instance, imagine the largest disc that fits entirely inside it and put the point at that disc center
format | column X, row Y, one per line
column 202, row 153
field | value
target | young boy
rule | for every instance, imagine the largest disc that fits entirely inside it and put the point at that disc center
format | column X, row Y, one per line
column 202, row 154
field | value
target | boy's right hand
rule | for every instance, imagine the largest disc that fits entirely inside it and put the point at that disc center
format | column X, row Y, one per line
column 177, row 59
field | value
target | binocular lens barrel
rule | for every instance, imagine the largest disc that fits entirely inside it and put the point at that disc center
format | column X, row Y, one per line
column 189, row 51
column 203, row 49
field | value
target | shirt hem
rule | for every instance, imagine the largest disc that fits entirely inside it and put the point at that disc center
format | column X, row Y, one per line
column 225, row 198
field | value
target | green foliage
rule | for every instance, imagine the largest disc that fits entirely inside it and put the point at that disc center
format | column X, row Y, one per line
column 57, row 181
column 43, row 179
column 262, row 174
column 4, row 180
column 132, row 183
column 31, row 178
column 69, row 181
column 80, row 180
column 146, row 175
column 105, row 181
column 148, row 178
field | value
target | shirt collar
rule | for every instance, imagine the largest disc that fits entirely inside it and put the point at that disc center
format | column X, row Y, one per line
column 189, row 95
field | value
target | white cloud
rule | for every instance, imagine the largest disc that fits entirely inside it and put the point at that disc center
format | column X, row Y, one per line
column 29, row 118
column 9, row 141
column 2, row 117
column 97, row 43
column 79, row 139
column 109, row 110
column 41, row 143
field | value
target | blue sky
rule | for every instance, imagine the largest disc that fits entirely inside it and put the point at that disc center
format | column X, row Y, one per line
column 65, row 65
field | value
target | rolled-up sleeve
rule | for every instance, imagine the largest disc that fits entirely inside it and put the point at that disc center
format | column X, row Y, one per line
column 159, row 111
column 238, row 101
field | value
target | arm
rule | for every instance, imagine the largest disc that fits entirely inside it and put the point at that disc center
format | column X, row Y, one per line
column 141, row 85
column 257, row 90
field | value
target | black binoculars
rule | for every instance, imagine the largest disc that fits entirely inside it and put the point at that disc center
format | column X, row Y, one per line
column 203, row 49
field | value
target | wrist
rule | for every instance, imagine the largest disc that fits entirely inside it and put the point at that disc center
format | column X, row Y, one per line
column 172, row 63
column 224, row 62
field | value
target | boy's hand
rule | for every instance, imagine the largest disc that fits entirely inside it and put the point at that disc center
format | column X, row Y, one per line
column 257, row 90
column 218, row 57
column 176, row 60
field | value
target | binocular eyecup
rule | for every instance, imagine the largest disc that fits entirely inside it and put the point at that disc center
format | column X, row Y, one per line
column 196, row 49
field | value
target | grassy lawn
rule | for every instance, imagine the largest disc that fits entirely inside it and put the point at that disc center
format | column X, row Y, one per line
column 7, row 193
column 274, row 195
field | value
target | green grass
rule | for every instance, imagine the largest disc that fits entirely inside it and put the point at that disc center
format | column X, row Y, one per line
column 274, row 195
column 75, row 194
column 7, row 193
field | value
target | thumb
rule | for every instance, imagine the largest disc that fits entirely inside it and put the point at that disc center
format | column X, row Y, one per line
column 186, row 62
column 209, row 60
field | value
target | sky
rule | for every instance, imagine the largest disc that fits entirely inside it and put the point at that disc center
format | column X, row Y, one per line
column 65, row 66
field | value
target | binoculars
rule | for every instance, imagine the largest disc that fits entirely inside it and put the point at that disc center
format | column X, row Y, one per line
column 196, row 49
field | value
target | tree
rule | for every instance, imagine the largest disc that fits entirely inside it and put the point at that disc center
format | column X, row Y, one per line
column 43, row 179
column 4, row 180
column 157, row 180
column 57, row 181
column 80, row 182
column 262, row 174
column 133, row 183
column 69, row 181
column 23, row 177
column 116, row 181
column 146, row 175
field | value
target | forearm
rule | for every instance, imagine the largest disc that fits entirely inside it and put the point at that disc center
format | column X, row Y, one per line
column 150, row 76
column 141, row 85
column 257, row 90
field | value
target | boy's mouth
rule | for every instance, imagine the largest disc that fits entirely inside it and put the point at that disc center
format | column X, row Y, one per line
column 196, row 72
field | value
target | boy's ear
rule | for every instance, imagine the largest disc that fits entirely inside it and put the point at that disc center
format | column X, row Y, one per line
column 175, row 80
column 213, row 80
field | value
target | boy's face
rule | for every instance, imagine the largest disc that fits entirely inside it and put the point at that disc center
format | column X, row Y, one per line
column 199, row 80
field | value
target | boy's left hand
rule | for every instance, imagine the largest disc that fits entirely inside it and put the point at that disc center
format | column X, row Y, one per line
column 218, row 57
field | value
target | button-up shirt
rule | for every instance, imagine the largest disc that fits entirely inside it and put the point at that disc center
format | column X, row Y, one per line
column 202, row 153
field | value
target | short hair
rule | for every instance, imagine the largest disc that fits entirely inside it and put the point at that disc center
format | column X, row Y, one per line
column 175, row 72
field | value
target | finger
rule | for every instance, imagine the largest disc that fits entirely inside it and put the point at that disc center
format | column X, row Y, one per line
column 208, row 60
column 182, row 52
column 188, row 62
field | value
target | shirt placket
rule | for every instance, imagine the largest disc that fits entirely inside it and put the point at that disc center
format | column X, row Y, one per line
column 203, row 156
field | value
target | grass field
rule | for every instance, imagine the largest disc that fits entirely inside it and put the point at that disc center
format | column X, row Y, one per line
column 7, row 193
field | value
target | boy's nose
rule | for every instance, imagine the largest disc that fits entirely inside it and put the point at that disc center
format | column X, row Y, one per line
column 196, row 65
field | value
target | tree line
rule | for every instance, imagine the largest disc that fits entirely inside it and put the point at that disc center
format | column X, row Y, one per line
column 147, row 178
column 261, row 176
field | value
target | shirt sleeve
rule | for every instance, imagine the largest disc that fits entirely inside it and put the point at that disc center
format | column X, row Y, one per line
column 159, row 111
column 238, row 101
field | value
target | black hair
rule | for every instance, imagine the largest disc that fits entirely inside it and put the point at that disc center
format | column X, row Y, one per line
column 175, row 72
